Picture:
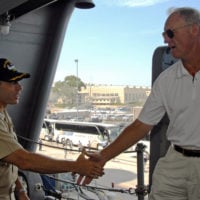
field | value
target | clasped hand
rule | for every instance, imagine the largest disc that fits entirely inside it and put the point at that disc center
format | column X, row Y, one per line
column 96, row 167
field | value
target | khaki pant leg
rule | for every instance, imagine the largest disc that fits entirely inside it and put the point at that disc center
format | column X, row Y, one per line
column 12, row 196
column 193, row 185
column 169, row 181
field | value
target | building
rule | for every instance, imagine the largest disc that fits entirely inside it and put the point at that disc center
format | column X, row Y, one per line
column 112, row 95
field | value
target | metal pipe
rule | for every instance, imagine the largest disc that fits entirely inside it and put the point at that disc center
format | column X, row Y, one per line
column 77, row 99
column 141, row 189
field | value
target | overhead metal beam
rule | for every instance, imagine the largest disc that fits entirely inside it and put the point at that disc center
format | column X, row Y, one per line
column 29, row 6
column 6, row 5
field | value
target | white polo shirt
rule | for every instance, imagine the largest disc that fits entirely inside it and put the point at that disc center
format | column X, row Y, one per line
column 176, row 92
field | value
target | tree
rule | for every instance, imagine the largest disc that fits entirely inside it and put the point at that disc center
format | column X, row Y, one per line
column 74, row 81
column 64, row 92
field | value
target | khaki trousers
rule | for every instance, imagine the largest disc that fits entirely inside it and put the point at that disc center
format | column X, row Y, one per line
column 10, row 196
column 176, row 177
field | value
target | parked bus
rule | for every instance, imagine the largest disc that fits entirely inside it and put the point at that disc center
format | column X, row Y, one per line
column 94, row 135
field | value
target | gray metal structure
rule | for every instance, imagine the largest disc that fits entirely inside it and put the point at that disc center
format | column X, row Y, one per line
column 34, row 43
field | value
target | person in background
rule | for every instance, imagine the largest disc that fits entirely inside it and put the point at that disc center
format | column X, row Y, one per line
column 40, row 144
column 65, row 151
column 14, row 156
column 176, row 92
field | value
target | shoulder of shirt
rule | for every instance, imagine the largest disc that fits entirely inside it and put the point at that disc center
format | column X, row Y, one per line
column 171, row 71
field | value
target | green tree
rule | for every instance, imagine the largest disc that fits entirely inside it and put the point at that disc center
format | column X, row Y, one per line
column 65, row 91
column 73, row 81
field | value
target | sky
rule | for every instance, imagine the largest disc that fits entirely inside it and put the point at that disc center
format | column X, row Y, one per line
column 114, row 41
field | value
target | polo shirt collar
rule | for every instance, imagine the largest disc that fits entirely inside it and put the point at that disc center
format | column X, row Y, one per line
column 181, row 71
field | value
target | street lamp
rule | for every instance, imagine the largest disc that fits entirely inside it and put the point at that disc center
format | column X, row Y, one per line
column 76, row 61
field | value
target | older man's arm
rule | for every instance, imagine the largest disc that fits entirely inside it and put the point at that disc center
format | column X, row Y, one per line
column 129, row 136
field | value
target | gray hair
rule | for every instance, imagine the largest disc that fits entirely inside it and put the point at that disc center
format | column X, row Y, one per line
column 190, row 15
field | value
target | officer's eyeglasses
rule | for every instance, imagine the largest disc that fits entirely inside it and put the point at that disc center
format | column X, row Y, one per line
column 170, row 32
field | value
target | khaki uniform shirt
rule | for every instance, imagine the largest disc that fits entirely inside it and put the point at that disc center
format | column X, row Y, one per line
column 8, row 144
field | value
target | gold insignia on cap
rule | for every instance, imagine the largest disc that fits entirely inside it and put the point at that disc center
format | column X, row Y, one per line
column 9, row 65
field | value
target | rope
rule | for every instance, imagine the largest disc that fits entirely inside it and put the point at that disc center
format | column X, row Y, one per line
column 62, row 148
column 47, row 145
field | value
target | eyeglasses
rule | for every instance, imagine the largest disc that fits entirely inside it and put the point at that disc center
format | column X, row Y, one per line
column 170, row 32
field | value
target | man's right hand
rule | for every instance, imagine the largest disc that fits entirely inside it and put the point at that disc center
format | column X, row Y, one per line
column 88, row 167
column 96, row 158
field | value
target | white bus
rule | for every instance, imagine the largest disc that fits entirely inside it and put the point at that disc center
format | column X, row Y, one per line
column 94, row 135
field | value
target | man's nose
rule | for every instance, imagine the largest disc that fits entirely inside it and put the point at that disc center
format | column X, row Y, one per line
column 166, row 39
column 19, row 86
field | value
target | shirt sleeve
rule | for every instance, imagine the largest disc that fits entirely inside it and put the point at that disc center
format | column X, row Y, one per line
column 153, row 109
column 8, row 141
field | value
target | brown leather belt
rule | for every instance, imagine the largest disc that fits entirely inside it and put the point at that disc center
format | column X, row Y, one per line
column 187, row 152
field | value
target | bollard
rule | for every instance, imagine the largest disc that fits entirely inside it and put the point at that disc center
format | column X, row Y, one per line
column 141, row 189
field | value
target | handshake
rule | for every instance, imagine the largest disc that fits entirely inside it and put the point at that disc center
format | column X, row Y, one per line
column 89, row 166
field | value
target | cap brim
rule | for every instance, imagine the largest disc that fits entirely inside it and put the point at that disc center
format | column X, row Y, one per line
column 19, row 76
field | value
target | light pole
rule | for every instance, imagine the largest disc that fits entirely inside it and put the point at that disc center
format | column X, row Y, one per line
column 76, row 61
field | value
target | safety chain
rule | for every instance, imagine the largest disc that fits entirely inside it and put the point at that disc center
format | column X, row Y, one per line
column 62, row 148
column 129, row 191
